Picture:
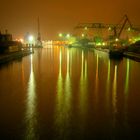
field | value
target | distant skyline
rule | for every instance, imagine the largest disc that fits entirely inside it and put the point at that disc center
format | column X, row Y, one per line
column 56, row 16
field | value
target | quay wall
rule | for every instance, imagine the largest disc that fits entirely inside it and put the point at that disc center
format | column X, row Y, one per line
column 12, row 56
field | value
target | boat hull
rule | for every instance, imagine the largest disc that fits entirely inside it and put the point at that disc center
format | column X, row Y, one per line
column 118, row 54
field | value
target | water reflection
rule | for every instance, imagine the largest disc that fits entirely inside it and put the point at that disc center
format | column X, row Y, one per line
column 68, row 81
column 63, row 101
column 127, row 77
column 83, row 84
column 108, row 73
column 126, row 92
column 108, row 84
column 96, row 80
column 60, row 80
column 83, row 92
column 23, row 75
column 67, row 88
column 79, row 95
column 114, row 96
column 31, row 112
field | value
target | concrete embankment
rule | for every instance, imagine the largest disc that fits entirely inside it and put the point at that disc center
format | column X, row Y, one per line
column 15, row 55
column 131, row 55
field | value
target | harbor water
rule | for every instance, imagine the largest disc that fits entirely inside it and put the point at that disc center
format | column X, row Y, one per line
column 61, row 93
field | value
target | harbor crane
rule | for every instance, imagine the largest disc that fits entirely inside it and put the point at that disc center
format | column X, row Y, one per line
column 122, row 22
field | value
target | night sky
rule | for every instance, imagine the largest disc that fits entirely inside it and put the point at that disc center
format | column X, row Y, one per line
column 20, row 16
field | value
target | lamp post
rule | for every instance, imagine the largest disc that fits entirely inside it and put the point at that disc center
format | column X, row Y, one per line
column 30, row 40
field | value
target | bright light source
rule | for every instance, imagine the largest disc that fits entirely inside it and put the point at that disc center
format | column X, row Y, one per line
column 129, row 29
column 103, row 43
column 86, row 28
column 68, row 35
column 116, row 39
column 83, row 35
column 99, row 44
column 31, row 38
column 109, row 28
column 21, row 40
column 60, row 35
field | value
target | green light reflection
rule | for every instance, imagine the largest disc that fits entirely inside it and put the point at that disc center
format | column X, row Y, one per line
column 82, row 65
column 126, row 90
column 60, row 79
column 114, row 96
column 96, row 80
column 83, row 83
column 59, row 99
column 127, row 77
column 83, row 92
column 63, row 100
column 67, row 88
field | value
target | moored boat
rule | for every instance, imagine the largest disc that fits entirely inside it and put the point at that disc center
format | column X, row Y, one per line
column 8, row 45
column 116, row 53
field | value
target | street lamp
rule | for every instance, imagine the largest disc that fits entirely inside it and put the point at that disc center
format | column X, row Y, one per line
column 60, row 34
column 68, row 35
column 30, row 40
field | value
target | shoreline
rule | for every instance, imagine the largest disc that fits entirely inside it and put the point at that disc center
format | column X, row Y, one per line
column 4, row 58
column 130, row 55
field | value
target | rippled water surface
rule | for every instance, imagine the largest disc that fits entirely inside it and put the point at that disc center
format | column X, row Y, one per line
column 69, row 94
